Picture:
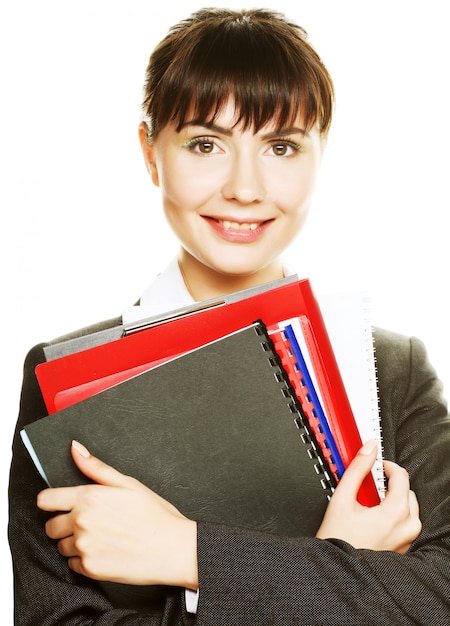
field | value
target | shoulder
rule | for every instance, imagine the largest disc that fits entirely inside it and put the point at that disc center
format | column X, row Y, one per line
column 402, row 362
column 400, row 356
column 31, row 402
column 410, row 393
column 36, row 354
column 88, row 330
column 393, row 365
column 389, row 343
column 392, row 350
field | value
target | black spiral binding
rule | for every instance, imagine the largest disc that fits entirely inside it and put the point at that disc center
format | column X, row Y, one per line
column 307, row 436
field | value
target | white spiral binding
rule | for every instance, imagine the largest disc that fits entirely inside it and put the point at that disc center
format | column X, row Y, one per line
column 378, row 472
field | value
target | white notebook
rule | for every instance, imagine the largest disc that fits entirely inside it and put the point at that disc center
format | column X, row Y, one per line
column 348, row 320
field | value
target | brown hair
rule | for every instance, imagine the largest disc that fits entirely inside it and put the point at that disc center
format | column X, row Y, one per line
column 257, row 57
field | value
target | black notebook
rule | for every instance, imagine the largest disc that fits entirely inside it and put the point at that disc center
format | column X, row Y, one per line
column 218, row 432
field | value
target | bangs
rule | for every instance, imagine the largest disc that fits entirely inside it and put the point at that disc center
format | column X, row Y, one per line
column 266, row 77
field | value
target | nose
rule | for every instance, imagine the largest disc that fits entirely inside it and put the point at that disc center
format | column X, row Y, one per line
column 245, row 180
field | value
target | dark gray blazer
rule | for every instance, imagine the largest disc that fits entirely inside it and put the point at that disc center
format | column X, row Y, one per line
column 257, row 579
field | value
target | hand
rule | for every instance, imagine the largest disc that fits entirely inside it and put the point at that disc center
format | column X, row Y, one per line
column 392, row 525
column 119, row 530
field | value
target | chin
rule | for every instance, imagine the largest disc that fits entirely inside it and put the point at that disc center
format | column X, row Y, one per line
column 235, row 270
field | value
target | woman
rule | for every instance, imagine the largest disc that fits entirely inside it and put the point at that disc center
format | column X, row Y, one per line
column 237, row 109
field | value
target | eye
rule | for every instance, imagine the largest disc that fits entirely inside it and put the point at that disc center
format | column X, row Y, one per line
column 205, row 147
column 284, row 148
column 201, row 145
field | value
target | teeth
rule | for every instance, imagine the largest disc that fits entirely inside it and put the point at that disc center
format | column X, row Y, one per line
column 237, row 226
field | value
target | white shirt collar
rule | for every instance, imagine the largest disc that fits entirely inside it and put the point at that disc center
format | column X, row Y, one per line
column 167, row 292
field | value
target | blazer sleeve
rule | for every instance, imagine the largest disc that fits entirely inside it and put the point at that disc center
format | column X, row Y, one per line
column 248, row 577
column 46, row 591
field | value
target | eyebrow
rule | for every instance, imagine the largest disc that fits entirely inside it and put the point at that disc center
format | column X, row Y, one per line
column 294, row 130
column 282, row 132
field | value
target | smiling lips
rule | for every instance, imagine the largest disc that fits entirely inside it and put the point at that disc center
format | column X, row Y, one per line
column 238, row 232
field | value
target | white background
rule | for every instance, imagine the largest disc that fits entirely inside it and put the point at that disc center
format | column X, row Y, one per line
column 82, row 231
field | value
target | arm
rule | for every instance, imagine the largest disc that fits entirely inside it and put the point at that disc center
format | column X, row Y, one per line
column 46, row 589
column 328, row 582
column 117, row 529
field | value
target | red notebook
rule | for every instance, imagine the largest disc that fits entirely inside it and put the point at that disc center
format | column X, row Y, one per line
column 307, row 396
column 74, row 377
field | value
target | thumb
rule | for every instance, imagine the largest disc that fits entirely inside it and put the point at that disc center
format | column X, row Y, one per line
column 94, row 468
column 358, row 469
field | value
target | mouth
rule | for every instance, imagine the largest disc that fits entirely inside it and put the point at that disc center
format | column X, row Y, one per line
column 238, row 231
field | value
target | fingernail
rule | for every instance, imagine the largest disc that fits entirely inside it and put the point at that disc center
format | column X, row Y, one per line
column 81, row 449
column 368, row 447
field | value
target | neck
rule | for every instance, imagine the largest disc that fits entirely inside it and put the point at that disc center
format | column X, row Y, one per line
column 204, row 283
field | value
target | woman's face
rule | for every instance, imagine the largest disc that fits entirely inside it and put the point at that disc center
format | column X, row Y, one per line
column 234, row 198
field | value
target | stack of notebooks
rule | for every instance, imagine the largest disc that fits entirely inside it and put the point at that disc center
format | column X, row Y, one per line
column 234, row 410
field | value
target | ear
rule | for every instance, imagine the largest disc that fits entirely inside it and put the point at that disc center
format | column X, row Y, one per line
column 148, row 150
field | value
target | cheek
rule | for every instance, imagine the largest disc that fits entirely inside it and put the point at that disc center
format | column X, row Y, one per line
column 293, row 186
column 296, row 198
column 305, row 187
column 186, row 190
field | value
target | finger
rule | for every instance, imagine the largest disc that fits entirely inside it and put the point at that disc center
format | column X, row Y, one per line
column 75, row 564
column 57, row 499
column 59, row 526
column 66, row 547
column 414, row 516
column 358, row 469
column 413, row 504
column 95, row 469
column 398, row 479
